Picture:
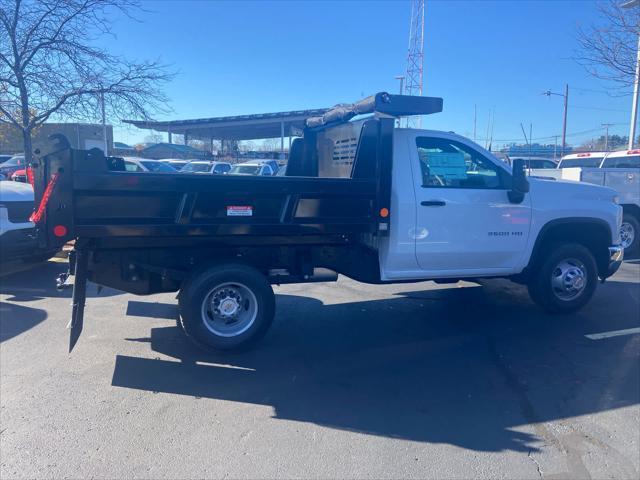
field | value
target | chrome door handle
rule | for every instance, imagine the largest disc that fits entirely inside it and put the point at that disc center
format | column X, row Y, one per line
column 433, row 203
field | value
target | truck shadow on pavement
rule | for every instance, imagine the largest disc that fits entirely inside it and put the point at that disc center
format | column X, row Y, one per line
column 39, row 282
column 17, row 319
column 480, row 368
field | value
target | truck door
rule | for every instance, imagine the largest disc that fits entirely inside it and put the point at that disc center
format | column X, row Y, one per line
column 465, row 224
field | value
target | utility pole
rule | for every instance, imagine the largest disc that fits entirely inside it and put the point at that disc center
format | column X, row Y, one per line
column 564, row 123
column 475, row 122
column 486, row 138
column 636, row 82
column 606, row 135
column 104, row 124
column 493, row 121
column 548, row 93
column 634, row 104
column 401, row 79
column 526, row 140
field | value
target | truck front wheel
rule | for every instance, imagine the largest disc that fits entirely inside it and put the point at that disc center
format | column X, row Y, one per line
column 565, row 280
column 630, row 233
column 226, row 307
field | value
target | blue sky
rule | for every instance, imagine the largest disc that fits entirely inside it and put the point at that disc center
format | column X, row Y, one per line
column 237, row 57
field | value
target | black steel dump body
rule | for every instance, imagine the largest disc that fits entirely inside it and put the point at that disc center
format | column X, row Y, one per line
column 103, row 208
column 112, row 209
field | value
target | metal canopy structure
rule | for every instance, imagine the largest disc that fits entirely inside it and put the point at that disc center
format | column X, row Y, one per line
column 240, row 127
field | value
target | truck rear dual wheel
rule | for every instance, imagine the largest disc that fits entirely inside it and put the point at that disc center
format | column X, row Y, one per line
column 227, row 307
column 630, row 233
column 565, row 280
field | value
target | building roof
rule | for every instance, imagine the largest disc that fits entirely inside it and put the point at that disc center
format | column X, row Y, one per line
column 239, row 127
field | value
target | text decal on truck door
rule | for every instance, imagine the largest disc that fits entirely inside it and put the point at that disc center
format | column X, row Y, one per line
column 505, row 234
column 239, row 211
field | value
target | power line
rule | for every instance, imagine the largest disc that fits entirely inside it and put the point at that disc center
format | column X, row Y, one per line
column 608, row 93
column 598, row 108
column 550, row 137
column 580, row 89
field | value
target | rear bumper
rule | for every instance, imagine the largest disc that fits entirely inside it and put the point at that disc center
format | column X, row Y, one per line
column 616, row 255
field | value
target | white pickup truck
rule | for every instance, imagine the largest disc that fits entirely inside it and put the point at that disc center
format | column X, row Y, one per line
column 618, row 170
column 360, row 198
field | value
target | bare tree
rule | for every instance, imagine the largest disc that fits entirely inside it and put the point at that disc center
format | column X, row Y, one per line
column 608, row 50
column 154, row 138
column 247, row 146
column 49, row 66
column 270, row 145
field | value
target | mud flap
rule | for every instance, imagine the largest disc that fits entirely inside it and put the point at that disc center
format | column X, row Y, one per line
column 79, row 296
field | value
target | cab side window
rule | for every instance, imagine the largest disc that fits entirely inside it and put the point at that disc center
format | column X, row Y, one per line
column 450, row 164
column 628, row 161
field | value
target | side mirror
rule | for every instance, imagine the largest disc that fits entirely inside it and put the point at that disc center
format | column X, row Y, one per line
column 519, row 182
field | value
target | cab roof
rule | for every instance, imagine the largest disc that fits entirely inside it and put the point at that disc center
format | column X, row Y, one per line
column 624, row 153
column 584, row 155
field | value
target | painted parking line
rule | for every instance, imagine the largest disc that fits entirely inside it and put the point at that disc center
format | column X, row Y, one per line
column 613, row 333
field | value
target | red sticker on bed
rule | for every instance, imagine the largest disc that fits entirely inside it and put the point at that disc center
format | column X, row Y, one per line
column 239, row 211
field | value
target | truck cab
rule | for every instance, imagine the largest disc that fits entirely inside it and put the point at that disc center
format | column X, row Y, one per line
column 454, row 217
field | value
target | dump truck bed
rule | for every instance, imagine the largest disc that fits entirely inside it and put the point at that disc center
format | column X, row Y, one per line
column 160, row 207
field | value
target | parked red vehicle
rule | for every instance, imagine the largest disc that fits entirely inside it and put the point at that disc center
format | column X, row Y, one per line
column 19, row 176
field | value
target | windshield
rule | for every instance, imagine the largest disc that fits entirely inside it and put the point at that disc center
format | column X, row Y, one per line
column 581, row 162
column 246, row 169
column 158, row 167
column 196, row 167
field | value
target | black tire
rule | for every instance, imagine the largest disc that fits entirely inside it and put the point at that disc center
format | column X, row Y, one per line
column 630, row 221
column 545, row 279
column 234, row 285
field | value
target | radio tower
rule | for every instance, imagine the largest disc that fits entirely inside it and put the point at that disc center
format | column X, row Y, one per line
column 415, row 57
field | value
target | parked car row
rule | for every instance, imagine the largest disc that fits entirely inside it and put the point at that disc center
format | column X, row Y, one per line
column 203, row 166
column 617, row 170
column 621, row 159
column 259, row 167
column 14, row 169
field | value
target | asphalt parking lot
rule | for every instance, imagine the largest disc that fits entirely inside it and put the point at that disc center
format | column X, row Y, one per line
column 353, row 381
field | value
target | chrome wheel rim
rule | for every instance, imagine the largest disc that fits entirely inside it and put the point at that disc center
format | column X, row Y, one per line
column 229, row 309
column 569, row 279
column 627, row 235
